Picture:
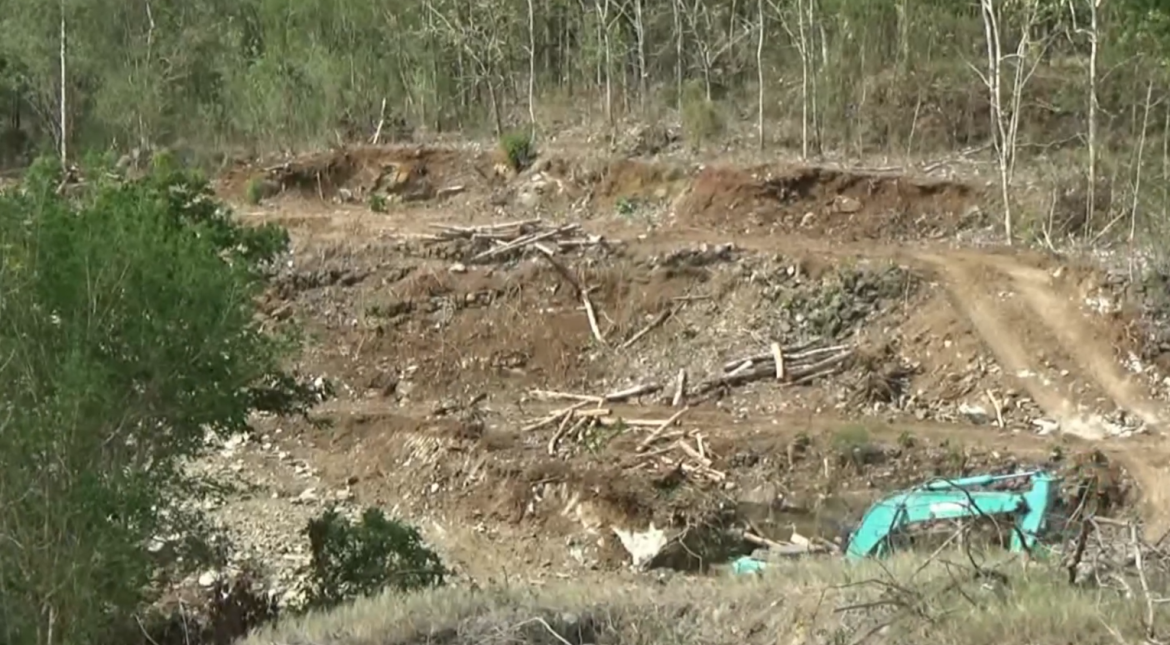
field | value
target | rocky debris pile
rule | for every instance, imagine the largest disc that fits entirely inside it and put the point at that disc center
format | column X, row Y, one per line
column 1139, row 282
column 535, row 188
column 267, row 498
column 1004, row 409
column 703, row 255
column 647, row 140
column 834, row 305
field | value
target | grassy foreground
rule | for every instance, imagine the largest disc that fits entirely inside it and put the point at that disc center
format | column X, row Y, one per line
column 909, row 599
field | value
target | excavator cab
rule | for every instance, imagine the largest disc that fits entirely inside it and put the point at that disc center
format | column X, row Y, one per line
column 951, row 499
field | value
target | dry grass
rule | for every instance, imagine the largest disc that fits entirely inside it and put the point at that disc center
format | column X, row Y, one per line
column 944, row 601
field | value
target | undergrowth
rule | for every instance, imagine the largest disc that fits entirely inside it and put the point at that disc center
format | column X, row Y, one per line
column 952, row 598
column 701, row 120
column 357, row 559
column 519, row 149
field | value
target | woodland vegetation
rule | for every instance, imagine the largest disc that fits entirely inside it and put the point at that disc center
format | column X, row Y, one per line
column 1079, row 86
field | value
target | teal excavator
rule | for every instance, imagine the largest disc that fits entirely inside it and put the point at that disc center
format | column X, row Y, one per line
column 950, row 499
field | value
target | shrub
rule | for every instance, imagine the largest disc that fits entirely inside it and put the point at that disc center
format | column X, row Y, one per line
column 519, row 149
column 701, row 120
column 128, row 334
column 353, row 560
column 254, row 192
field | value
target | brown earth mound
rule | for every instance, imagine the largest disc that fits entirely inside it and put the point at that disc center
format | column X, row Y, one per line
column 410, row 172
column 827, row 203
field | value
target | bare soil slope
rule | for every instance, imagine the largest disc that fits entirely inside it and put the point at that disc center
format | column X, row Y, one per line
column 451, row 334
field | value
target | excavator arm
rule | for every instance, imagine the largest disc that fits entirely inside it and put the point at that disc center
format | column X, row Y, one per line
column 954, row 499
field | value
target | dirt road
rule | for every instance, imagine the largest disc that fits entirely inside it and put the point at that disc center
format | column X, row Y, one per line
column 1023, row 318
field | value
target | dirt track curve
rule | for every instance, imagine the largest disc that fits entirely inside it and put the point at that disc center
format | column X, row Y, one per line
column 1050, row 318
column 1052, row 315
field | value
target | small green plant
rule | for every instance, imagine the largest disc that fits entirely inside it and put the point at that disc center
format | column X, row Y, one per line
column 599, row 437
column 164, row 161
column 352, row 560
column 519, row 148
column 701, row 120
column 850, row 437
column 378, row 203
column 255, row 191
column 626, row 207
column 906, row 440
column 854, row 447
column 955, row 459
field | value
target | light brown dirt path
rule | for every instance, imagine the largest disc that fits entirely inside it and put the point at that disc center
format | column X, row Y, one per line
column 1054, row 317
column 1005, row 342
column 967, row 276
column 1093, row 355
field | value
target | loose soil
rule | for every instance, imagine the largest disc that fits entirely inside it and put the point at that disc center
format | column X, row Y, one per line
column 965, row 361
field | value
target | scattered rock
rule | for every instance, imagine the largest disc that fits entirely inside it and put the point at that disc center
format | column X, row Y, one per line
column 1046, row 426
column 976, row 413
column 846, row 204
column 308, row 495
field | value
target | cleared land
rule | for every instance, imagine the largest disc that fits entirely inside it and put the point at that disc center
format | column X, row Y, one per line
column 911, row 346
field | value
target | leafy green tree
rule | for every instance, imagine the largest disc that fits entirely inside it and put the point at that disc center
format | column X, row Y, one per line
column 355, row 559
column 127, row 336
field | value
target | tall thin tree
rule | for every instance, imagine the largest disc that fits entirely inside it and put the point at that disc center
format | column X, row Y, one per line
column 63, row 126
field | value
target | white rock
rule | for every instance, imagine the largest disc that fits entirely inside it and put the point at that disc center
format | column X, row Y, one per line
column 308, row 495
column 1046, row 426
column 974, row 412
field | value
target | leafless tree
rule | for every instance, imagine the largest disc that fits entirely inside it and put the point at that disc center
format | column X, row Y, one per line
column 1092, row 34
column 532, row 66
column 1005, row 110
column 64, row 115
column 762, row 27
column 477, row 36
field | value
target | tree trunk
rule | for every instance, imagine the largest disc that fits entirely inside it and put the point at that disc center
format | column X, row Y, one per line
column 532, row 67
column 760, row 73
column 64, row 127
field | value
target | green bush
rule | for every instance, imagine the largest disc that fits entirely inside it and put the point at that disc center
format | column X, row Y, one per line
column 519, row 148
column 353, row 560
column 128, row 333
column 701, row 120
column 254, row 192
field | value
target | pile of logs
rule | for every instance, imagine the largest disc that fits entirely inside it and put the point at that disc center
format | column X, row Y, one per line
column 664, row 445
column 512, row 239
column 796, row 365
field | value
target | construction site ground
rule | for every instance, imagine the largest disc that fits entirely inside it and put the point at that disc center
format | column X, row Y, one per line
column 911, row 346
